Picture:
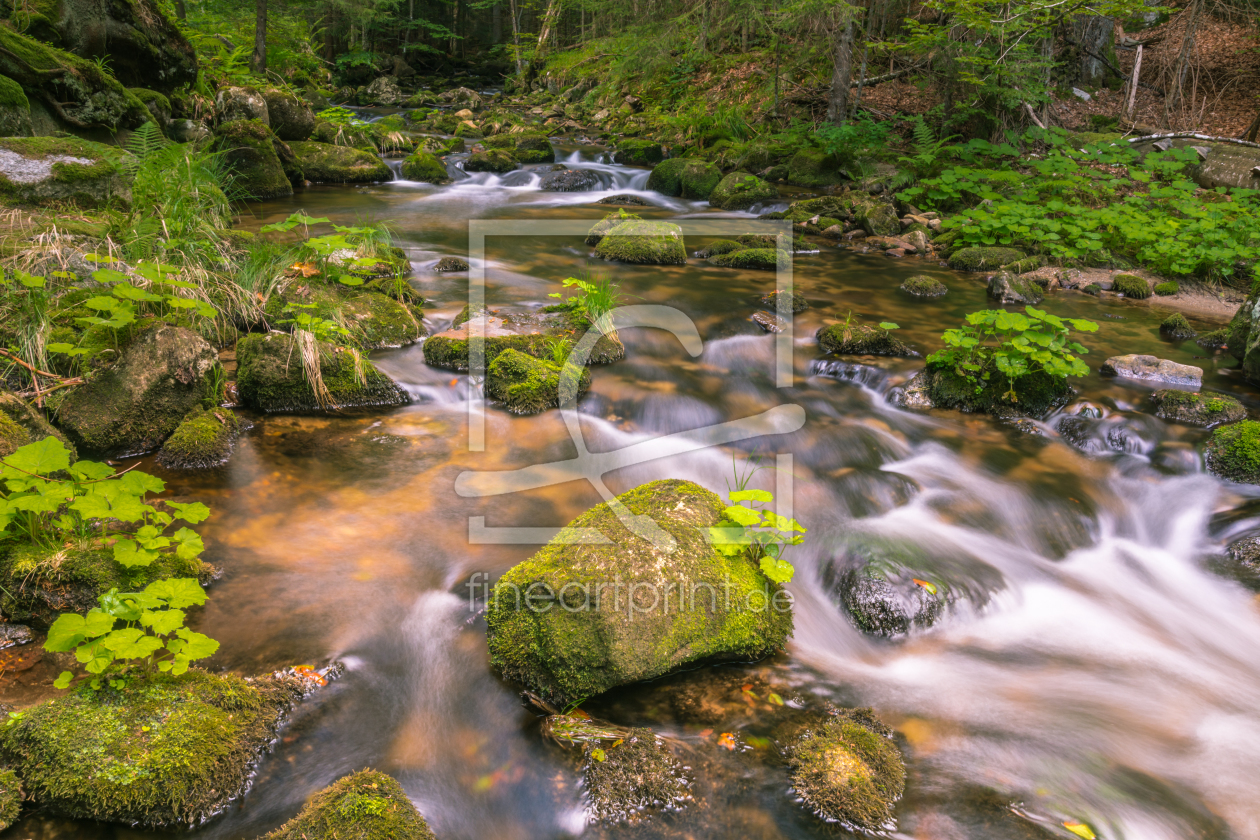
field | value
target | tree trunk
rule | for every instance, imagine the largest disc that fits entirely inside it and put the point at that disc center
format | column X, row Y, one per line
column 258, row 61
column 516, row 35
column 842, row 74
column 1133, row 82
column 1095, row 36
column 544, row 35
column 496, row 23
column 1173, row 98
column 180, row 11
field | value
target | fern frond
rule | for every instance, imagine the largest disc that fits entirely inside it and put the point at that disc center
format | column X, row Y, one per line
column 145, row 141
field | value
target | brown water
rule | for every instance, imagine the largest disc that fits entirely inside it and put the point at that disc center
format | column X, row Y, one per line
column 1108, row 677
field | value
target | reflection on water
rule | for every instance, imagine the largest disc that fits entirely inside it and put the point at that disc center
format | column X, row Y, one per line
column 1091, row 668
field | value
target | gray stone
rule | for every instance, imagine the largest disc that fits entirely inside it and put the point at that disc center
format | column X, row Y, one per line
column 240, row 103
column 570, row 180
column 1008, row 288
column 1152, row 369
column 384, row 91
column 187, row 131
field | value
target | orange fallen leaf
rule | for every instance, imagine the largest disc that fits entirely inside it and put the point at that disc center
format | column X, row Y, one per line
column 727, row 739
column 705, row 733
column 926, row 584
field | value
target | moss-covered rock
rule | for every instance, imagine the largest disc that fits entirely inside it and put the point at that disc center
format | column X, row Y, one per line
column 1214, row 340
column 600, row 228
column 848, row 770
column 270, row 378
column 1131, row 286
column 533, row 148
column 764, row 259
column 448, row 264
column 250, row 151
column 1233, row 452
column 324, row 163
column 10, row 798
column 589, row 640
column 813, row 168
column 204, row 439
column 685, row 177
column 740, row 190
column 1005, row 287
column 289, row 117
column 362, row 806
column 631, row 777
column 1197, row 409
column 1170, row 287
column 644, row 243
column 55, row 170
column 719, row 247
column 38, row 583
column 923, row 286
column 1175, row 326
column 163, row 751
column 635, row 152
column 377, row 320
column 1023, row 266
column 494, row 160
column 240, row 102
column 978, row 258
column 794, row 302
column 357, row 136
column 527, row 385
column 861, row 340
column 136, row 403
column 15, row 109
column 443, row 145
column 158, row 105
column 425, row 166
column 21, row 424
column 1036, row 394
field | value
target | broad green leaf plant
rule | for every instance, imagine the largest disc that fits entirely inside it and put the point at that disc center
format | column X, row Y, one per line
column 763, row 535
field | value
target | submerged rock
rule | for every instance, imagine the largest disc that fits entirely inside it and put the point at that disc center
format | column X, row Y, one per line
column 1152, row 369
column 884, row 608
column 1197, row 409
column 983, row 258
column 162, row 751
column 137, row 403
column 42, row 170
column 685, row 177
column 204, row 439
column 1233, row 452
column 741, row 190
column 367, row 805
column 923, row 286
column 795, row 302
column 643, row 242
column 846, row 768
column 324, row 163
column 528, row 385
column 1176, row 327
column 768, row 322
column 558, row 623
column 625, row 200
column 861, row 340
column 270, row 377
column 447, row 264
column 636, row 774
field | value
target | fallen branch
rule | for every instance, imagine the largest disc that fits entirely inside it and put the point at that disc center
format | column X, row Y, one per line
column 1033, row 114
column 1180, row 135
column 66, row 383
column 9, row 355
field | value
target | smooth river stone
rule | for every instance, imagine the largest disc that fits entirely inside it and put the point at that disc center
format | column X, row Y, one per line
column 1153, row 369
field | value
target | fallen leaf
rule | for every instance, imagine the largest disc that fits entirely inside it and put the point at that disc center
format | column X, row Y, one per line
column 1080, row 829
column 705, row 733
column 598, row 754
column 774, row 698
column 926, row 584
column 727, row 739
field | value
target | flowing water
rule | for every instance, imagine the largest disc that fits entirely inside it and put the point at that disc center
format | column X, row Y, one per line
column 1098, row 672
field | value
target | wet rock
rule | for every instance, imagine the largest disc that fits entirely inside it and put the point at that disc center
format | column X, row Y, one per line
column 643, row 242
column 461, row 96
column 592, row 639
column 847, row 769
column 1076, row 430
column 138, row 402
column 626, row 782
column 44, row 170
column 11, row 796
column 877, row 218
column 1152, row 369
column 1131, row 286
column 240, row 103
column 1197, row 409
column 1244, row 555
column 1214, row 340
column 271, row 378
column 324, row 163
column 939, row 386
column 495, row 160
column 21, row 424
column 600, row 228
column 1007, row 288
column 794, row 301
column 253, row 153
column 983, row 259
column 882, row 608
column 570, row 180
column 162, row 751
column 528, row 385
column 1233, row 452
column 638, row 152
column 719, row 247
column 367, row 805
column 923, row 286
column 204, row 439
column 425, row 166
column 383, row 91
column 12, row 635
column 861, row 340
column 1243, row 338
column 1176, row 327
column 624, row 200
column 288, row 116
column 763, row 259
column 769, row 323
column 450, row 264
column 685, row 177
column 741, row 190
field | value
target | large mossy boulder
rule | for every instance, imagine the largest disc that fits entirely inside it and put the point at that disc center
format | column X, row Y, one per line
column 324, row 163
column 158, row 105
column 425, row 166
column 1233, row 452
column 161, row 752
column 939, row 386
column 367, row 805
column 494, row 160
column 71, row 93
column 600, row 228
column 741, row 190
column 685, row 177
column 136, row 403
column 250, row 152
column 270, row 377
column 877, row 218
column 377, row 320
column 1243, row 337
column 529, row 147
column 56, row 170
column 21, row 424
column 762, row 259
column 814, row 168
column 983, row 258
column 15, row 109
column 527, row 385
column 644, row 243
column 853, row 339
column 204, row 439
column 846, row 769
column 1197, row 409
column 568, row 636
column 241, row 103
column 289, row 117
column 635, row 152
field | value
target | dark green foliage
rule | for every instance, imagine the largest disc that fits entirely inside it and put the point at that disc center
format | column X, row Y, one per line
column 922, row 286
column 1131, row 286
column 362, row 806
column 1176, row 326
column 845, row 771
column 1233, row 453
column 1197, row 409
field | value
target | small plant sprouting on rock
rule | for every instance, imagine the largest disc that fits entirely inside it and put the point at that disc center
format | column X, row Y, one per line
column 748, row 528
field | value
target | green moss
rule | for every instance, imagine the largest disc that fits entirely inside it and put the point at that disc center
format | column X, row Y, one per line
column 344, row 135
column 249, row 150
column 377, row 321
column 796, row 301
column 424, row 166
column 685, row 177
column 861, row 340
column 1233, row 453
column 1214, row 340
column 923, row 286
column 1197, row 409
column 98, row 183
column 325, row 163
column 362, row 806
column 442, row 145
column 1171, row 287
column 1018, row 267
column 38, row 583
column 10, row 798
column 721, row 246
column 1177, row 327
column 643, row 242
column 533, row 148
column 164, row 751
column 584, row 645
column 494, row 160
column 159, row 106
column 635, row 152
column 765, row 259
column 204, row 439
column 600, row 228
column 846, row 772
column 811, row 168
column 12, row 436
column 452, row 353
column 270, row 377
column 983, row 258
column 15, row 109
column 626, row 780
column 1131, row 286
column 1092, row 289
column 526, row 384
column 740, row 190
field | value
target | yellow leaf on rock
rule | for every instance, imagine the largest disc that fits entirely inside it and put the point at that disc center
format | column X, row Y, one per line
column 1080, row 829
